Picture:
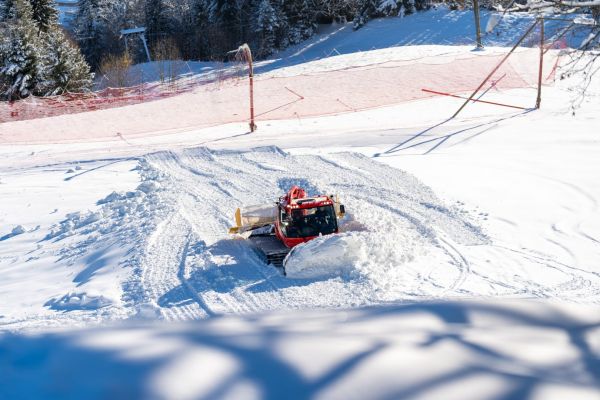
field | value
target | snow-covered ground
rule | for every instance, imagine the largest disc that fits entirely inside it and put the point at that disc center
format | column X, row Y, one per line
column 468, row 265
column 433, row 350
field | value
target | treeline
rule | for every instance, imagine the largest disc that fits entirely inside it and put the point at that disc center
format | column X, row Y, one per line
column 36, row 55
column 208, row 29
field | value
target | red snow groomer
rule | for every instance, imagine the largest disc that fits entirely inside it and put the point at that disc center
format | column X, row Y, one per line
column 296, row 218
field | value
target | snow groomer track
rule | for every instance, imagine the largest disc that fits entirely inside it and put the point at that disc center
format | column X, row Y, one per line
column 398, row 242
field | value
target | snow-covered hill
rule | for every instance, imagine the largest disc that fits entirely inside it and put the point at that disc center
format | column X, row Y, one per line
column 469, row 261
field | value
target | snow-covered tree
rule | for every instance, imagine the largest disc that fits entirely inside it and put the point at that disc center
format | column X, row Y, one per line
column 64, row 68
column 44, row 14
column 13, row 9
column 408, row 6
column 35, row 59
column 88, row 27
column 300, row 18
column 19, row 53
column 265, row 24
column 368, row 10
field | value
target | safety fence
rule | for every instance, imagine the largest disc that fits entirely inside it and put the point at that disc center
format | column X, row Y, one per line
column 224, row 98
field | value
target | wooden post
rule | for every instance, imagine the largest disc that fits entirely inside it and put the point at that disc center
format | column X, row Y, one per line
column 495, row 68
column 541, row 71
column 248, row 54
column 251, row 75
column 477, row 23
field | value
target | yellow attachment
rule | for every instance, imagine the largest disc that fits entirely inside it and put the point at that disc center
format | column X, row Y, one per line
column 238, row 222
column 338, row 209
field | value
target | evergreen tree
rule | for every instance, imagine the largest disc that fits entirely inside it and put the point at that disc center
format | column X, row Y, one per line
column 422, row 5
column 368, row 10
column 19, row 53
column 265, row 24
column 408, row 6
column 88, row 29
column 5, row 6
column 203, row 15
column 44, row 14
column 63, row 66
column 231, row 17
column 12, row 9
column 282, row 31
column 156, row 18
column 301, row 17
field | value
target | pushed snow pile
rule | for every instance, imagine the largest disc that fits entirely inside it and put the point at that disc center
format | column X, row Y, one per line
column 353, row 255
column 333, row 255
column 16, row 231
column 78, row 301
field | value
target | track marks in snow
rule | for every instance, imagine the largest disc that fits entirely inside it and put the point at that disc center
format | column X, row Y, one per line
column 228, row 277
column 415, row 246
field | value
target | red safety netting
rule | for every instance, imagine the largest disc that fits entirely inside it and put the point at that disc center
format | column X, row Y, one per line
column 324, row 92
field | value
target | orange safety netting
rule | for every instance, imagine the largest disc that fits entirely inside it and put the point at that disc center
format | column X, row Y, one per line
column 313, row 94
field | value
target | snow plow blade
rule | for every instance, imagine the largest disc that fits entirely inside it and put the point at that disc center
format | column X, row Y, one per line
column 253, row 217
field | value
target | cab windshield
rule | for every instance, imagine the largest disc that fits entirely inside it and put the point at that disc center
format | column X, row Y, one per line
column 310, row 222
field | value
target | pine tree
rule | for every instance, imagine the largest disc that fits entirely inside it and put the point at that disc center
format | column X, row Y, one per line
column 203, row 15
column 301, row 18
column 88, row 30
column 422, row 5
column 368, row 10
column 5, row 6
column 265, row 23
column 408, row 6
column 63, row 66
column 388, row 8
column 231, row 17
column 11, row 9
column 19, row 53
column 44, row 14
column 156, row 18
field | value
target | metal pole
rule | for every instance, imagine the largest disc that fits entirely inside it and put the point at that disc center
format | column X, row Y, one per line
column 495, row 69
column 541, row 72
column 146, row 47
column 477, row 23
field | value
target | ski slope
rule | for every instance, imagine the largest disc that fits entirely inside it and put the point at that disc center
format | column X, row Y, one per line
column 467, row 266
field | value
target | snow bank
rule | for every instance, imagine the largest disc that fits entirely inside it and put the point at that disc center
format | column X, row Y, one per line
column 333, row 255
column 78, row 301
column 352, row 255
column 16, row 231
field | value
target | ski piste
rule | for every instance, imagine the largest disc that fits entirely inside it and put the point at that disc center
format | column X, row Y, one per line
column 296, row 218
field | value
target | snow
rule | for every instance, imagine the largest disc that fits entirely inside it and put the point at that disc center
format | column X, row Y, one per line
column 324, row 257
column 467, row 266
column 454, row 350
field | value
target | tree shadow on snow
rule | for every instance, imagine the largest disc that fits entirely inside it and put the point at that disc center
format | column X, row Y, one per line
column 63, row 365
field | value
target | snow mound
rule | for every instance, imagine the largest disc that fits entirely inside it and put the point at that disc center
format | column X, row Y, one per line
column 78, row 301
column 16, row 231
column 351, row 256
column 333, row 255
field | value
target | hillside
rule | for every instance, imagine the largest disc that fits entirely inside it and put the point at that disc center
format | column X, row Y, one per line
column 467, row 266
